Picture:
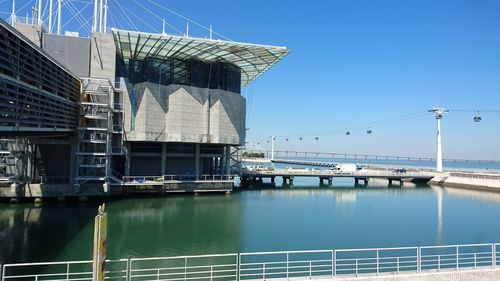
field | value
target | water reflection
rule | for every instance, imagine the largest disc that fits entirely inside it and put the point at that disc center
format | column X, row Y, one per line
column 35, row 233
column 260, row 220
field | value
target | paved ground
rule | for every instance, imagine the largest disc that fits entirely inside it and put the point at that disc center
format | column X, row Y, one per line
column 472, row 275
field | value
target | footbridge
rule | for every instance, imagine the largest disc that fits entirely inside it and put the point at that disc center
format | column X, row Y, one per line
column 251, row 176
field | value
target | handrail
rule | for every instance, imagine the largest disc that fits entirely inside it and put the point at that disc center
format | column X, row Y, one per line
column 304, row 264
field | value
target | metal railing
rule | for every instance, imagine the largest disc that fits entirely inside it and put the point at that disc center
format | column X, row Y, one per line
column 475, row 176
column 175, row 178
column 207, row 267
column 116, row 270
column 271, row 265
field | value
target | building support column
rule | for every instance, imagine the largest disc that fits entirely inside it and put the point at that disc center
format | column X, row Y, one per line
column 73, row 165
column 163, row 158
column 197, row 159
column 216, row 165
column 228, row 160
column 128, row 157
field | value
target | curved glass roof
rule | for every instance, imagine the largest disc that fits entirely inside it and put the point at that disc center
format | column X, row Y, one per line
column 252, row 59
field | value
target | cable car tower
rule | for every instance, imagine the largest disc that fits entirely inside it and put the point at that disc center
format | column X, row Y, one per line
column 438, row 111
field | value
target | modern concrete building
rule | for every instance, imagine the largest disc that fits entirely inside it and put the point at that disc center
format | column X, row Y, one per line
column 137, row 109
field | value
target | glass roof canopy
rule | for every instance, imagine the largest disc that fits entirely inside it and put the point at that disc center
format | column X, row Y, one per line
column 252, row 59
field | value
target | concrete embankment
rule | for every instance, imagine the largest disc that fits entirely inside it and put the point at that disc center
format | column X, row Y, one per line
column 477, row 181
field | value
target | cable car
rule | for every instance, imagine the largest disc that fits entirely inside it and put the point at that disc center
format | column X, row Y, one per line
column 477, row 118
column 316, row 138
column 300, row 138
column 347, row 133
column 286, row 139
column 369, row 131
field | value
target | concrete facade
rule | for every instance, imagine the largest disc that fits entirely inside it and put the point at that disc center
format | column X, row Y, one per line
column 34, row 33
column 186, row 114
column 102, row 56
column 72, row 52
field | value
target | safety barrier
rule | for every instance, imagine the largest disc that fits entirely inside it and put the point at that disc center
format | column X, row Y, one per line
column 270, row 265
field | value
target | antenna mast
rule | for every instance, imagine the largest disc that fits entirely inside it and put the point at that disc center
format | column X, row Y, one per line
column 58, row 17
column 94, row 23
column 50, row 16
column 39, row 13
column 13, row 16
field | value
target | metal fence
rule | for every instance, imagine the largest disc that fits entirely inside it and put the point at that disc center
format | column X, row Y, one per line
column 270, row 265
column 116, row 270
column 175, row 178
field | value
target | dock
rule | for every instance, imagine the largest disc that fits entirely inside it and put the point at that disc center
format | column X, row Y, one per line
column 250, row 177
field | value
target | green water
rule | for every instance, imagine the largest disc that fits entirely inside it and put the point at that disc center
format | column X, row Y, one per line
column 281, row 219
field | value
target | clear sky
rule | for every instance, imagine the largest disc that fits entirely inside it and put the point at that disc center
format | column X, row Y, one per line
column 353, row 62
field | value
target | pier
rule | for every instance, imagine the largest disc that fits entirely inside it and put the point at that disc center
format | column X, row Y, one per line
column 251, row 177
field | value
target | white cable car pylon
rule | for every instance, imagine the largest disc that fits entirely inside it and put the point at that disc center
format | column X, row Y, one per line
column 438, row 111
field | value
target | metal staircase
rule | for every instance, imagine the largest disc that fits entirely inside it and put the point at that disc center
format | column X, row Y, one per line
column 100, row 131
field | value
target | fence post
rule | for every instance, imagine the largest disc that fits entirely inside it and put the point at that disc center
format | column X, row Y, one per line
column 158, row 274
column 475, row 260
column 67, row 271
column 397, row 264
column 334, row 258
column 493, row 255
column 356, row 267
column 439, row 262
column 127, row 270
column 378, row 263
column 419, row 259
column 185, row 268
column 129, row 265
column 237, row 267
column 310, row 269
column 211, row 272
column 263, row 271
column 287, row 256
column 457, row 257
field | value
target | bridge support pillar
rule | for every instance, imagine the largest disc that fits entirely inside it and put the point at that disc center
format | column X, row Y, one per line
column 272, row 180
column 290, row 180
column 330, row 181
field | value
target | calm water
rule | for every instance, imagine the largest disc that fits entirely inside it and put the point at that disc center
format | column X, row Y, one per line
column 281, row 219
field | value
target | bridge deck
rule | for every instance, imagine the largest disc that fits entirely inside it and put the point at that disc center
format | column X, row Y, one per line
column 389, row 174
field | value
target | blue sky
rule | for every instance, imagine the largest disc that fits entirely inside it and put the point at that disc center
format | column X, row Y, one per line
column 355, row 62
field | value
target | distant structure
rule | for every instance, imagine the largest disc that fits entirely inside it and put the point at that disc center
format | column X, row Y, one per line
column 89, row 113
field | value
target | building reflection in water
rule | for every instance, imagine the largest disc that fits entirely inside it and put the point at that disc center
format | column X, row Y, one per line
column 34, row 233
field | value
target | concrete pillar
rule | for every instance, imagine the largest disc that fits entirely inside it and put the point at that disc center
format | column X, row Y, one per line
column 221, row 165
column 216, row 165
column 197, row 159
column 272, row 180
column 228, row 160
column 390, row 181
column 29, row 163
column 73, row 164
column 356, row 181
column 290, row 180
column 330, row 181
column 284, row 180
column 128, row 157
column 163, row 158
